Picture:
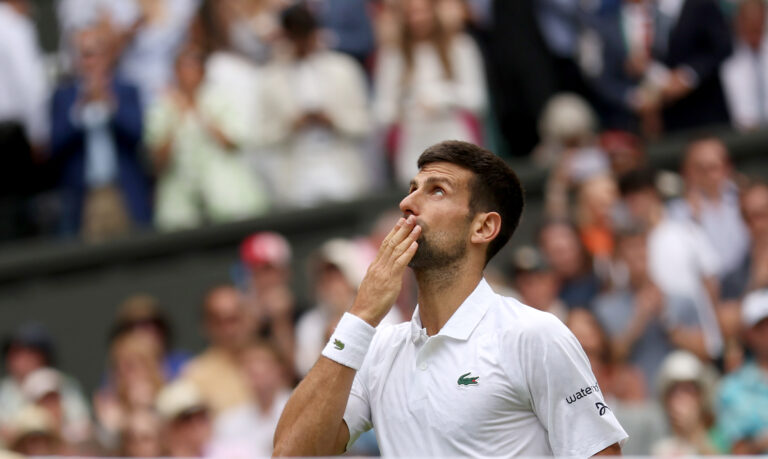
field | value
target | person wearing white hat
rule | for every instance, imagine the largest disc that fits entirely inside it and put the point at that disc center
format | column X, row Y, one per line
column 185, row 419
column 685, row 387
column 743, row 396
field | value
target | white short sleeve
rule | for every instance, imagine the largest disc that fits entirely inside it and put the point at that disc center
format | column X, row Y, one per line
column 564, row 392
column 357, row 414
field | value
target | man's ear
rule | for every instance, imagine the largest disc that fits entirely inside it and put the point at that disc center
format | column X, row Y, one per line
column 485, row 227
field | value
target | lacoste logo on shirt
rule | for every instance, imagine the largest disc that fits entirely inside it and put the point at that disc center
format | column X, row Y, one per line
column 338, row 344
column 466, row 380
column 601, row 408
column 583, row 392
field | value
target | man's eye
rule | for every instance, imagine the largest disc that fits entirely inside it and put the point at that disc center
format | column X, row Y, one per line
column 439, row 192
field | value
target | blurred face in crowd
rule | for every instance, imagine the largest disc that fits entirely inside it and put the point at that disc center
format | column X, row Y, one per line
column 538, row 288
column 597, row 197
column 642, row 205
column 332, row 288
column 750, row 23
column 190, row 69
column 141, row 437
column 266, row 374
column 21, row 361
column 754, row 208
column 632, row 250
column 94, row 53
column 189, row 433
column 137, row 369
column 684, row 405
column 585, row 328
column 420, row 18
column 560, row 245
column 227, row 322
column 706, row 166
column 51, row 402
column 757, row 337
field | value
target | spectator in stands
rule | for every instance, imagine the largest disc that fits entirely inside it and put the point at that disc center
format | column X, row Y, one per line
column 596, row 209
column 150, row 34
column 429, row 85
column 141, row 435
column 45, row 387
column 655, row 65
column 744, row 73
column 27, row 350
column 136, row 376
column 267, row 257
column 253, row 425
column 559, row 242
column 685, row 388
column 23, row 120
column 644, row 324
column 624, row 150
column 315, row 118
column 247, row 28
column 141, row 315
column 195, row 133
column 681, row 260
column 32, row 433
column 568, row 131
column 752, row 272
column 743, row 395
column 536, row 283
column 712, row 201
column 95, row 140
column 217, row 372
column 187, row 429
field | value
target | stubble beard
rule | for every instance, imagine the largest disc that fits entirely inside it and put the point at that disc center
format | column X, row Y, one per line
column 430, row 257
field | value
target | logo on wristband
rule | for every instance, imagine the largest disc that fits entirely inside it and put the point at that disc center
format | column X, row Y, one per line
column 338, row 344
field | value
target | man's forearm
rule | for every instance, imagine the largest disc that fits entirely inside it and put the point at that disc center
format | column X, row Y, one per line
column 312, row 422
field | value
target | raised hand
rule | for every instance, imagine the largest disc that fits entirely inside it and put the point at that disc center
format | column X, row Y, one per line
column 384, row 278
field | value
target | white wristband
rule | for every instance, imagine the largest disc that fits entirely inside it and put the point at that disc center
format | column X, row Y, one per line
column 350, row 341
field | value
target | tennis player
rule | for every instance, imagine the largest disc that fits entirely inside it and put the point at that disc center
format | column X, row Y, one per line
column 473, row 373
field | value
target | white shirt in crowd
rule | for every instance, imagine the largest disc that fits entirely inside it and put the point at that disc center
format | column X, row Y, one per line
column 745, row 80
column 499, row 379
column 679, row 258
column 722, row 223
column 23, row 85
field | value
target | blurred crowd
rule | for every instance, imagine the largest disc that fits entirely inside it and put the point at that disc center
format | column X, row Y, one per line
column 663, row 279
column 177, row 113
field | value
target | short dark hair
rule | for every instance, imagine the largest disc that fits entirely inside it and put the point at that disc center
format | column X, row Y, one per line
column 494, row 187
column 297, row 21
column 637, row 180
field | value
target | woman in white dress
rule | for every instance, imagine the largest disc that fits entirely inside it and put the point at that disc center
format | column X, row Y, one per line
column 429, row 82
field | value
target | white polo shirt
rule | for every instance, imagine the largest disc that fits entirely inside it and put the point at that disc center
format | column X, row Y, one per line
column 499, row 379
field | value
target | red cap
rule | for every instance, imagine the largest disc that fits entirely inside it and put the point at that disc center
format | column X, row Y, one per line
column 265, row 248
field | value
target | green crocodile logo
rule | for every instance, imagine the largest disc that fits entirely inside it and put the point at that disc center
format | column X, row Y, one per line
column 338, row 344
column 466, row 380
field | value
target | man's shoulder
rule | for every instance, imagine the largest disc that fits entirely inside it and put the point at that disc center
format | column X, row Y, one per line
column 509, row 315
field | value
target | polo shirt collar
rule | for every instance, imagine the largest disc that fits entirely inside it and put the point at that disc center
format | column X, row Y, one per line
column 461, row 324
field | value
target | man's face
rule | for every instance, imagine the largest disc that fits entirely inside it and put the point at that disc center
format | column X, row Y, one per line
column 754, row 208
column 439, row 199
column 226, row 319
column 706, row 167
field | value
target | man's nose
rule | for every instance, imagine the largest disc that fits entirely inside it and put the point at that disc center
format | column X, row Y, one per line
column 408, row 204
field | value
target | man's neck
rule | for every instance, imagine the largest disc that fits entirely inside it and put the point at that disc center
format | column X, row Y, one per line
column 442, row 291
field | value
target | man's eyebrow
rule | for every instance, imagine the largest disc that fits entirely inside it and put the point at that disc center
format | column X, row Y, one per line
column 433, row 181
